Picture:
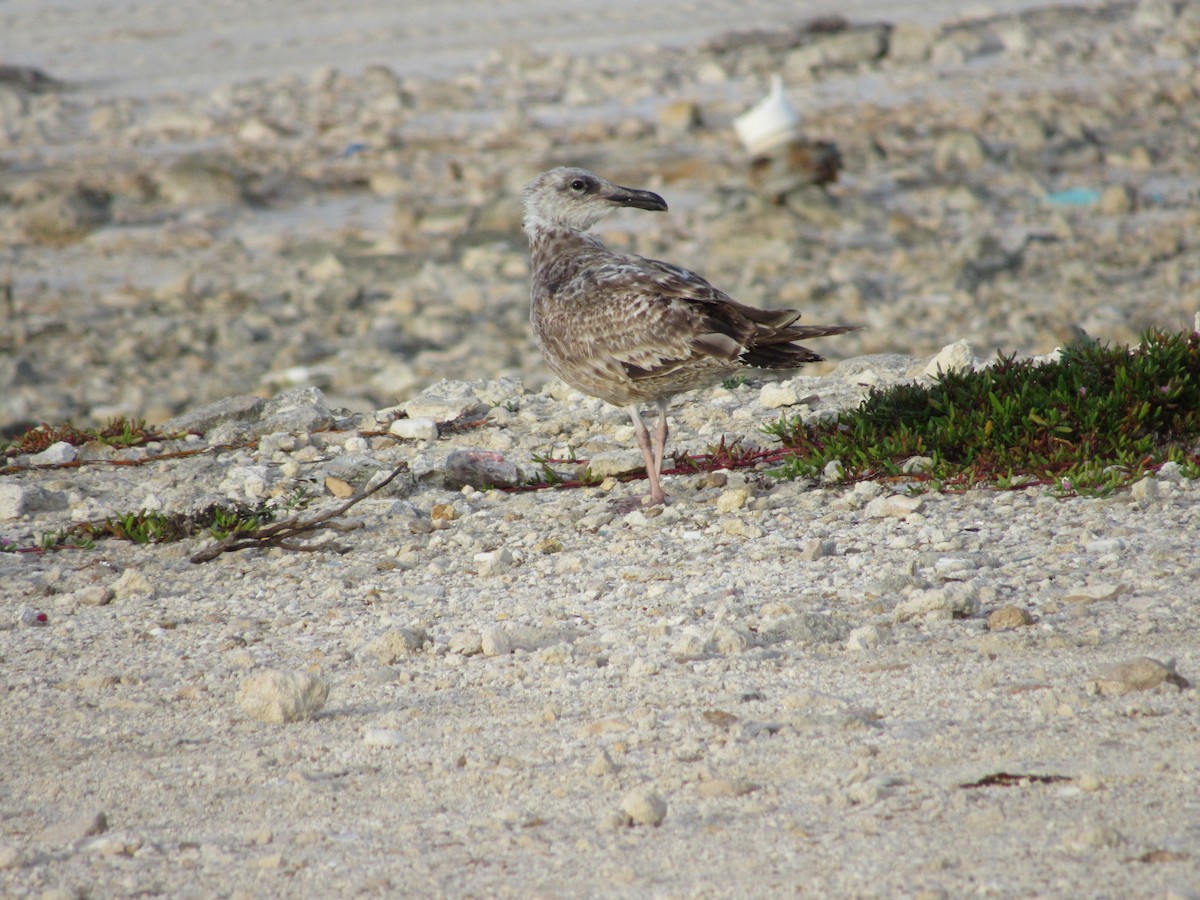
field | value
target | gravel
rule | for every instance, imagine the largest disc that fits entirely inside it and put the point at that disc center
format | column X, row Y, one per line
column 775, row 674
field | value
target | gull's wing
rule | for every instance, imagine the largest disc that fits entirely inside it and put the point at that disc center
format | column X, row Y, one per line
column 643, row 318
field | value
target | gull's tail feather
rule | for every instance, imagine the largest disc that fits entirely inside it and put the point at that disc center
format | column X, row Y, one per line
column 775, row 350
column 801, row 332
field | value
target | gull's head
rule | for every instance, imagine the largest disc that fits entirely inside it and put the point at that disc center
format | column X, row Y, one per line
column 574, row 198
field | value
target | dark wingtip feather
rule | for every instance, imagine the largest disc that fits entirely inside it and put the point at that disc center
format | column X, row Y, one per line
column 779, row 356
column 774, row 349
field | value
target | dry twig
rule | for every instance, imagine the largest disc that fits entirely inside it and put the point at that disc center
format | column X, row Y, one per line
column 282, row 534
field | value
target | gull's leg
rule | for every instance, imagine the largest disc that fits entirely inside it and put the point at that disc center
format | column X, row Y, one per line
column 643, row 436
column 660, row 437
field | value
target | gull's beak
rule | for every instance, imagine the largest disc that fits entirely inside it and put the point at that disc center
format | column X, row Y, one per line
column 623, row 196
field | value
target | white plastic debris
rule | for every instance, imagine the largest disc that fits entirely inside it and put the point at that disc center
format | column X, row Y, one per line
column 770, row 123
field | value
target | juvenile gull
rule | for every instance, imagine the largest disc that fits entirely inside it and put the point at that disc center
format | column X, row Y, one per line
column 631, row 330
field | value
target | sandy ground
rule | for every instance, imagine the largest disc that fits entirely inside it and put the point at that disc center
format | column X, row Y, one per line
column 136, row 49
column 812, row 689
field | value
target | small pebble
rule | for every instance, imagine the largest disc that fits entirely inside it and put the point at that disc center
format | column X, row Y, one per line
column 724, row 787
column 383, row 737
column 815, row 549
column 733, row 499
column 82, row 825
column 895, row 506
column 420, row 429
column 95, row 595
column 602, row 764
column 395, row 643
column 1145, row 490
column 275, row 696
column 644, row 806
column 865, row 637
column 1007, row 617
column 1092, row 593
column 495, row 641
column 1141, row 674
column 55, row 455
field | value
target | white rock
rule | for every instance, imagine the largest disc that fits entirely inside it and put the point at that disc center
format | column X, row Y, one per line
column 327, row 268
column 55, row 455
column 259, row 131
column 817, row 548
column 644, row 668
column 867, row 378
column 446, row 401
column 93, row 595
column 870, row 791
column 910, row 42
column 613, row 820
column 1082, row 839
column 958, row 151
column 691, row 643
column 867, row 490
column 383, row 737
column 10, row 857
column 916, row 464
column 245, row 481
column 732, row 638
column 635, row 518
column 644, row 806
column 737, row 527
column 114, row 845
column 1145, row 490
column 833, row 472
column 13, row 104
column 466, row 643
column 895, row 506
column 1170, row 471
column 733, row 499
column 1093, row 593
column 76, row 827
column 133, row 585
column 774, row 395
column 956, row 598
column 276, row 696
column 602, row 764
column 865, row 637
column 615, row 462
column 494, row 641
column 948, row 566
column 529, row 637
column 418, row 429
column 492, row 561
column 394, row 643
column 255, row 487
column 18, row 500
column 951, row 358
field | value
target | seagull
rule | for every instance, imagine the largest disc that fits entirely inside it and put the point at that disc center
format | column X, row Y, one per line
column 632, row 330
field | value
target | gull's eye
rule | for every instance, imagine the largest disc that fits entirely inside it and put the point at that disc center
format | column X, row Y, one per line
column 579, row 185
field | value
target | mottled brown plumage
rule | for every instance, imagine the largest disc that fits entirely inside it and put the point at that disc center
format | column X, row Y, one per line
column 631, row 330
